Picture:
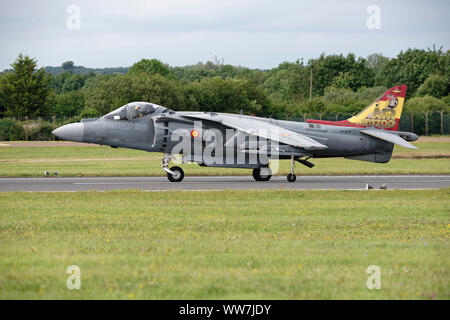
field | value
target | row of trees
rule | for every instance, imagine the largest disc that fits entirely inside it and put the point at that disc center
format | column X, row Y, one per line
column 330, row 84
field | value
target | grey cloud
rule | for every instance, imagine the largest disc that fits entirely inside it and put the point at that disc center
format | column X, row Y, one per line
column 258, row 34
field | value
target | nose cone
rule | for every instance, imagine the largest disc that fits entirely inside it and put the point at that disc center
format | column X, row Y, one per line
column 71, row 132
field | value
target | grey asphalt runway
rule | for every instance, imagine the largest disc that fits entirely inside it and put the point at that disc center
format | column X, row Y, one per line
column 223, row 183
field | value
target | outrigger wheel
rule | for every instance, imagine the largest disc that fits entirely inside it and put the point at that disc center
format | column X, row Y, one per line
column 177, row 175
column 262, row 174
column 291, row 177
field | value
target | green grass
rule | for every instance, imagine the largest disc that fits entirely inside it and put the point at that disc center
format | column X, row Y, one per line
column 105, row 161
column 153, row 168
column 225, row 245
column 424, row 149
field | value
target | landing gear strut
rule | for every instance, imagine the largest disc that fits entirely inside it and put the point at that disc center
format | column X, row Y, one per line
column 174, row 174
column 262, row 174
column 291, row 177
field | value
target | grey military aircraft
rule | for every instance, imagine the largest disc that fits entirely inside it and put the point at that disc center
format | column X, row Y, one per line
column 240, row 141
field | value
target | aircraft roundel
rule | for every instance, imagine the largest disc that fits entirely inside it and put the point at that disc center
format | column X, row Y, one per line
column 195, row 133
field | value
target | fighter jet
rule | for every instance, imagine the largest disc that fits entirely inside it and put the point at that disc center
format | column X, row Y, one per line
column 241, row 141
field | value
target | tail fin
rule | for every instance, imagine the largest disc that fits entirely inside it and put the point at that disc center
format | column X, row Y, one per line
column 383, row 113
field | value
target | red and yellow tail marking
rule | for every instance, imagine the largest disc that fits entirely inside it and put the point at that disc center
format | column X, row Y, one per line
column 383, row 113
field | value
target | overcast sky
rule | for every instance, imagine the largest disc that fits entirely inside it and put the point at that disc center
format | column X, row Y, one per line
column 255, row 34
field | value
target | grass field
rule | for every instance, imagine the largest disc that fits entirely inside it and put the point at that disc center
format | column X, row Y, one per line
column 226, row 245
column 431, row 157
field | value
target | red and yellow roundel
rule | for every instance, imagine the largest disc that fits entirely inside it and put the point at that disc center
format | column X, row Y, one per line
column 195, row 133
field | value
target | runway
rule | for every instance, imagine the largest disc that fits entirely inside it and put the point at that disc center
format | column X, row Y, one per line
column 223, row 183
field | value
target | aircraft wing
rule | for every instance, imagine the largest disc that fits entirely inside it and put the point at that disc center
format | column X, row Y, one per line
column 386, row 136
column 263, row 129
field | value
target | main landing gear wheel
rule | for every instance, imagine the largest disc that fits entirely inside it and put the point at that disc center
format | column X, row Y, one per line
column 262, row 174
column 291, row 177
column 177, row 176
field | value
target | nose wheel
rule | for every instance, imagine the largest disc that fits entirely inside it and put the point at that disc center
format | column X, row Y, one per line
column 174, row 174
column 177, row 174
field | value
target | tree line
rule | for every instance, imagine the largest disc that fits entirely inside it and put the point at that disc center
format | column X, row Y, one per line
column 328, row 85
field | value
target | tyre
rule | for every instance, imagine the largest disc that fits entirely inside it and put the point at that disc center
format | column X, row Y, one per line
column 258, row 176
column 177, row 176
column 291, row 177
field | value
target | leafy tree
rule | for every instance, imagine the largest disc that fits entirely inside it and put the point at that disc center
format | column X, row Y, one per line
column 2, row 95
column 377, row 62
column 89, row 113
column 150, row 67
column 41, row 132
column 413, row 67
column 343, row 80
column 58, row 81
column 86, row 71
column 68, row 104
column 25, row 90
column 109, row 93
column 11, row 130
column 210, row 69
column 446, row 100
column 68, row 65
column 368, row 95
column 354, row 71
column 226, row 95
column 92, row 82
column 73, row 82
column 343, row 101
column 285, row 109
column 67, row 81
column 315, row 107
column 196, row 72
column 425, row 103
column 341, row 84
column 289, row 82
column 441, row 60
column 436, row 86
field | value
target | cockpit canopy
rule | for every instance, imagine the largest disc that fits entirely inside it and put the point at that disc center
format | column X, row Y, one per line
column 132, row 111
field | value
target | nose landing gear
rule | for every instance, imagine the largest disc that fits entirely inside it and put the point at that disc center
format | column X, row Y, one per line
column 177, row 175
column 174, row 174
